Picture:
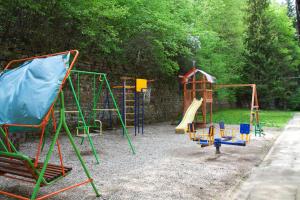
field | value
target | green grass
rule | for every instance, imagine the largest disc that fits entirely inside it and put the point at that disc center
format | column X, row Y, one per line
column 268, row 118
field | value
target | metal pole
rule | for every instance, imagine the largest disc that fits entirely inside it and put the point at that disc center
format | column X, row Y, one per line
column 138, row 111
column 11, row 144
column 143, row 113
column 41, row 175
column 124, row 105
column 119, row 115
column 135, row 113
column 83, row 121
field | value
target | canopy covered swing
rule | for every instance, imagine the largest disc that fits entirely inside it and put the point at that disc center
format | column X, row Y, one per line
column 28, row 94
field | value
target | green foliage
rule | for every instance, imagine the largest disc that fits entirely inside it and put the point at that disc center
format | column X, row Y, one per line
column 272, row 53
column 267, row 118
column 160, row 39
column 293, row 101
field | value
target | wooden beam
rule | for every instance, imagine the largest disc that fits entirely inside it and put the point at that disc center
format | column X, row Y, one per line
column 217, row 86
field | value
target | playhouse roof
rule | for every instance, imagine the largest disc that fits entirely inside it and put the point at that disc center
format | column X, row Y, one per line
column 194, row 71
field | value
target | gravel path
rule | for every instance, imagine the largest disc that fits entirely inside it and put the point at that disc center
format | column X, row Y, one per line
column 166, row 166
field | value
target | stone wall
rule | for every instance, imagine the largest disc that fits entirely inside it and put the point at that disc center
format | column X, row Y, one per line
column 165, row 102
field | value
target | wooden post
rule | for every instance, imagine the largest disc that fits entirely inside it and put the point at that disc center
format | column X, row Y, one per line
column 204, row 101
column 184, row 97
column 252, row 103
column 256, row 105
column 194, row 87
column 254, row 99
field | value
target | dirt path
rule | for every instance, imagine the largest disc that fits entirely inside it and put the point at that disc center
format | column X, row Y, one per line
column 278, row 177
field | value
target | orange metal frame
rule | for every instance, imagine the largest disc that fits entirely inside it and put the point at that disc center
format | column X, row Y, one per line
column 47, row 195
column 75, row 53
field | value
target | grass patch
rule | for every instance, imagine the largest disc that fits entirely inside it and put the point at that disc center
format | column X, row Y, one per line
column 237, row 116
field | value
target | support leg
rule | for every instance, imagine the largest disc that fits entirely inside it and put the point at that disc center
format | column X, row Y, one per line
column 83, row 120
column 79, row 157
column 120, row 116
column 218, row 150
column 41, row 176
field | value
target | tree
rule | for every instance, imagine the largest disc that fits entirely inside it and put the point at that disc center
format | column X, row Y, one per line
column 291, row 12
column 271, row 52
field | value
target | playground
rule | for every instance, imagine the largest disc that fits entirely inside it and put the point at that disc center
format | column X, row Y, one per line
column 202, row 155
column 150, row 100
column 167, row 166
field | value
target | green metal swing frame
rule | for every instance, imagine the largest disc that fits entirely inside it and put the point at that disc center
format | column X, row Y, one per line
column 9, row 151
column 41, row 180
column 90, row 122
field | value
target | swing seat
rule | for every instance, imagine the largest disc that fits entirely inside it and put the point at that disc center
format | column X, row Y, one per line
column 97, row 129
column 20, row 167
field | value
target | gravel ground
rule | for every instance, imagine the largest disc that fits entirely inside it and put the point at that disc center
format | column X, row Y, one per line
column 166, row 166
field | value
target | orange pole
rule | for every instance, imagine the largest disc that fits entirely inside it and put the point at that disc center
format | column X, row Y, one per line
column 7, row 138
column 39, row 147
column 76, row 54
column 60, row 158
column 64, row 189
column 53, row 121
column 13, row 195
column 47, row 195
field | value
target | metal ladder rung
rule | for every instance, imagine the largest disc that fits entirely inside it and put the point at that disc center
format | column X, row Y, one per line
column 105, row 109
column 86, row 135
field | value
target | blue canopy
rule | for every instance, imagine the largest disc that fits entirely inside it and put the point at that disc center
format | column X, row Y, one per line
column 28, row 91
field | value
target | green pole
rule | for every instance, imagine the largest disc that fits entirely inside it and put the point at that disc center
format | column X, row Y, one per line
column 78, row 96
column 119, row 115
column 83, row 120
column 3, row 145
column 48, row 156
column 80, row 158
column 62, row 122
column 97, row 96
column 11, row 144
column 94, row 100
column 63, row 117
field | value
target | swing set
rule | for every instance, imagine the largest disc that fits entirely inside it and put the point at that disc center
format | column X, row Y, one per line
column 35, row 86
column 93, row 122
